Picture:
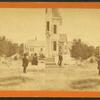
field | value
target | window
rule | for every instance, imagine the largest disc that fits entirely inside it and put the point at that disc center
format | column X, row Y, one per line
column 30, row 49
column 33, row 49
column 48, row 26
column 55, row 29
column 54, row 46
column 41, row 49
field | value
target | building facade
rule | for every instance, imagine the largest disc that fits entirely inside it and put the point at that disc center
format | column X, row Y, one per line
column 56, row 41
column 35, row 46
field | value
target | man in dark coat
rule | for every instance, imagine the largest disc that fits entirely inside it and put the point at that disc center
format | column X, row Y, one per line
column 98, row 62
column 25, row 63
column 35, row 59
column 60, row 59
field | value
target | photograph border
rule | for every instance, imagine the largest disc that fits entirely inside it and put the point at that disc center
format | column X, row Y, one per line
column 21, row 93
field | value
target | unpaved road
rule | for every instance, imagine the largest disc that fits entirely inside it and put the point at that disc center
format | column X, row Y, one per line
column 68, row 78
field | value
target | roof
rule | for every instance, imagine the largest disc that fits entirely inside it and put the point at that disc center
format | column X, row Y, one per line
column 36, row 43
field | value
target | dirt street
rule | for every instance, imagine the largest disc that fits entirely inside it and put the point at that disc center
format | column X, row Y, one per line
column 69, row 78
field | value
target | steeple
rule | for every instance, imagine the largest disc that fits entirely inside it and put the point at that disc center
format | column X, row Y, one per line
column 53, row 12
column 53, row 28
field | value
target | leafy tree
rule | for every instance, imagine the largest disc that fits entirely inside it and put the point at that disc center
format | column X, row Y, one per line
column 21, row 49
column 97, row 51
column 7, row 47
column 81, row 50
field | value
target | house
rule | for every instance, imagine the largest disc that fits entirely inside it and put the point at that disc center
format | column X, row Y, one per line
column 35, row 46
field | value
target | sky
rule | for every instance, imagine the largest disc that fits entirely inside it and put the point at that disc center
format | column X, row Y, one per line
column 22, row 24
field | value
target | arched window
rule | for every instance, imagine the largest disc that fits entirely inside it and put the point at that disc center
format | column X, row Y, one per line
column 55, row 29
column 48, row 25
column 41, row 49
column 33, row 49
column 54, row 46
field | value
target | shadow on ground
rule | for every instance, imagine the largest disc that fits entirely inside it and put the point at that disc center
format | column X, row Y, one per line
column 12, row 81
column 85, row 84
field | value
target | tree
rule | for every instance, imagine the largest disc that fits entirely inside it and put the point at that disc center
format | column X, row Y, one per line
column 7, row 47
column 21, row 49
column 81, row 50
column 97, row 51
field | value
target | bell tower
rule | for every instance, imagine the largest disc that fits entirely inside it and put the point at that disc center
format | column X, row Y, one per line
column 53, row 28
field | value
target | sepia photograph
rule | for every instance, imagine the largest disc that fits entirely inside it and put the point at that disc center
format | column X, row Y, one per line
column 50, row 49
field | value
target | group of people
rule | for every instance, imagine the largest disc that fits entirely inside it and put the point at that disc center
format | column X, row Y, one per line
column 98, row 62
column 25, row 61
column 34, row 61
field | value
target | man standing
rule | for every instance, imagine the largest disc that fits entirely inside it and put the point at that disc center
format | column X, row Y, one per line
column 60, row 59
column 35, row 59
column 98, row 62
column 25, row 63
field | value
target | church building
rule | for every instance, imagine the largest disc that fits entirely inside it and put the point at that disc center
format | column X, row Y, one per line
column 56, row 40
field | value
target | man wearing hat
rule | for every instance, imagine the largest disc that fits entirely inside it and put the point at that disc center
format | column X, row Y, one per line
column 98, row 62
column 25, row 63
column 60, row 58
